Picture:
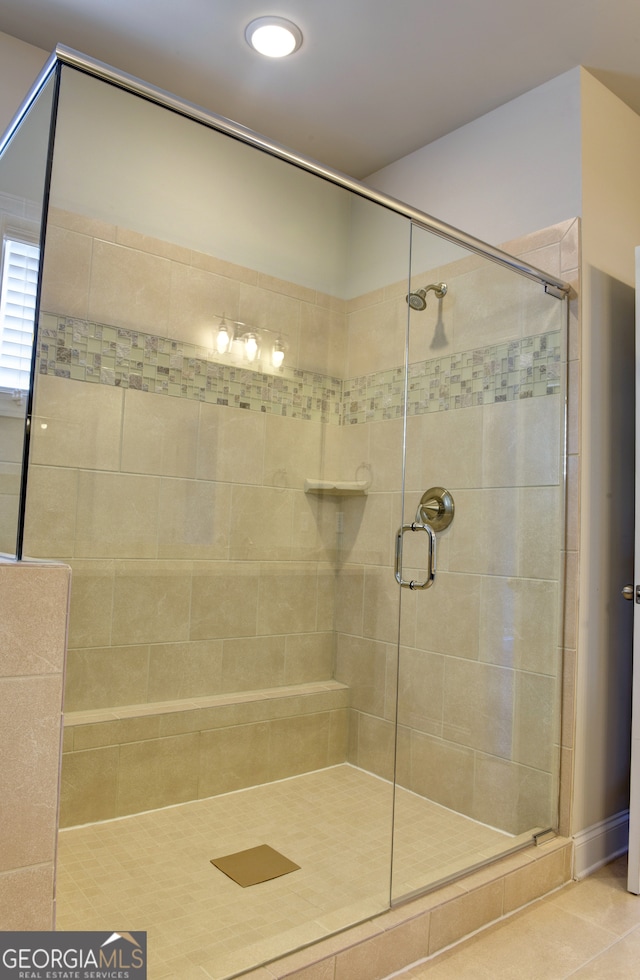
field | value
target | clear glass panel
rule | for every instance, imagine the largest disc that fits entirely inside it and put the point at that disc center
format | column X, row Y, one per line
column 479, row 667
column 228, row 522
column 22, row 184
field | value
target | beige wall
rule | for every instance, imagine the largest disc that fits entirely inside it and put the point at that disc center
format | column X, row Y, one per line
column 32, row 649
column 21, row 64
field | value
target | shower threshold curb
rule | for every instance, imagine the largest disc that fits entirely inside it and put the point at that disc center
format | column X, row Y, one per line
column 425, row 926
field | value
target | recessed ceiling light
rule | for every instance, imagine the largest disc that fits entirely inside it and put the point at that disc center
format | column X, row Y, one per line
column 274, row 37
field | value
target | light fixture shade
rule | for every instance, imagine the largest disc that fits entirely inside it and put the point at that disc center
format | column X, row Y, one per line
column 277, row 354
column 274, row 37
column 251, row 346
column 223, row 339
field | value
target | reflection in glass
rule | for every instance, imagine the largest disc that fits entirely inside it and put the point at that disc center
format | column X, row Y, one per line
column 22, row 186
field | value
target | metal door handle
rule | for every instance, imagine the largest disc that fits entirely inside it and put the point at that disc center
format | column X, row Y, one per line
column 431, row 556
column 630, row 593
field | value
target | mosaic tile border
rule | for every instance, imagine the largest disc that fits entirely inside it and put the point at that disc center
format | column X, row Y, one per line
column 103, row 354
column 526, row 368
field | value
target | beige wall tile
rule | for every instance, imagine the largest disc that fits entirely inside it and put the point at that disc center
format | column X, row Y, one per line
column 519, row 623
column 11, row 439
column 532, row 881
column 83, row 224
column 536, row 726
column 478, row 706
column 386, row 953
column 420, row 690
column 539, row 541
column 66, row 272
column 338, row 736
column 381, row 604
column 224, row 599
column 184, row 670
column 9, row 506
column 33, row 644
column 30, row 732
column 129, row 288
column 265, row 309
column 347, row 452
column 323, row 340
column 106, row 677
column 287, row 598
column 88, row 786
column 299, row 744
column 326, row 604
column 50, row 516
column 376, row 337
column 385, row 454
column 146, row 243
column 465, row 914
column 233, row 758
column 230, row 444
column 94, row 734
column 473, row 543
column 83, row 424
column 489, row 305
column 315, row 529
column 511, row 797
column 158, row 772
column 91, row 603
column 375, row 745
column 151, row 602
column 308, row 657
column 443, row 623
column 350, row 599
column 361, row 664
column 261, row 523
column 117, row 515
column 26, row 899
column 159, row 435
column 521, row 442
column 193, row 519
column 447, row 448
column 442, row 772
column 253, row 662
column 198, row 298
column 293, row 451
column 370, row 524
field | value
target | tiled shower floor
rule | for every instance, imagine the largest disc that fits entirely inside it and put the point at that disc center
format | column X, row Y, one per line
column 152, row 871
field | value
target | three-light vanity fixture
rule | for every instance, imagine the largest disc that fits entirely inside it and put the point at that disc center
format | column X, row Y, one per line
column 233, row 337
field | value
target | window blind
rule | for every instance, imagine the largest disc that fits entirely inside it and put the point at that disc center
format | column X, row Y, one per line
column 17, row 312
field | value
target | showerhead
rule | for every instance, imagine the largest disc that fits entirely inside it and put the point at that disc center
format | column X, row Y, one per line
column 418, row 299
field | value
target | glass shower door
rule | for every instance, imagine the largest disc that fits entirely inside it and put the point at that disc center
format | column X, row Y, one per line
column 477, row 757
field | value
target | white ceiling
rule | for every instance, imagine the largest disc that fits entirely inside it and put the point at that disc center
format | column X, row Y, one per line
column 373, row 80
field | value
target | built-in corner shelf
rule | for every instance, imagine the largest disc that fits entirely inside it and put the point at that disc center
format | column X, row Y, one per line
column 337, row 488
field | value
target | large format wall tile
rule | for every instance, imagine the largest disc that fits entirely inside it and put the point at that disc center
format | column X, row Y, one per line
column 77, row 425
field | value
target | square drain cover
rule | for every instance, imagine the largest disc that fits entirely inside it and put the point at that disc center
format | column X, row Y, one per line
column 254, row 865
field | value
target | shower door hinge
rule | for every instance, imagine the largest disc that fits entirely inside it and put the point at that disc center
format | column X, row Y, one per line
column 544, row 836
column 556, row 291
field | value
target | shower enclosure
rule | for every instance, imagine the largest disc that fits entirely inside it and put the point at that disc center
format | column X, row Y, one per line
column 315, row 529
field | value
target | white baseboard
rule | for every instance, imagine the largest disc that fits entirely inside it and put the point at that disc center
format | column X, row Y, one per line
column 600, row 844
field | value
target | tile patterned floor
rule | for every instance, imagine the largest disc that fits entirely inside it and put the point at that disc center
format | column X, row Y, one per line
column 589, row 930
column 152, row 871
